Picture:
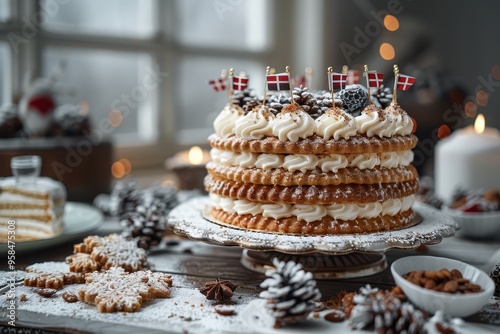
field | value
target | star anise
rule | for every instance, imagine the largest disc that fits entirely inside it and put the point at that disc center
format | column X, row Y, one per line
column 219, row 290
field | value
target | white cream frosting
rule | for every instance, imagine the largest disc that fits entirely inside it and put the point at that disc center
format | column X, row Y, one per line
column 302, row 162
column 402, row 122
column 309, row 213
column 336, row 124
column 256, row 124
column 293, row 125
column 333, row 162
column 225, row 121
column 305, row 162
column 297, row 124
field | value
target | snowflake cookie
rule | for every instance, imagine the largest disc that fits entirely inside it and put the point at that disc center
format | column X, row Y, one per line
column 116, row 290
column 101, row 253
column 51, row 275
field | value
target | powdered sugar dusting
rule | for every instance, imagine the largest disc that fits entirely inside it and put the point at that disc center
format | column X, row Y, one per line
column 188, row 219
column 186, row 309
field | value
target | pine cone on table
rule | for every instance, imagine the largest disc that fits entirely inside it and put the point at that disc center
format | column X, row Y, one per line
column 291, row 292
column 384, row 313
column 163, row 199
column 495, row 276
column 126, row 197
column 145, row 225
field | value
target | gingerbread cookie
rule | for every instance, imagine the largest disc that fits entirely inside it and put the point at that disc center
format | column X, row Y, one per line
column 115, row 290
column 82, row 263
column 51, row 275
column 101, row 253
column 117, row 251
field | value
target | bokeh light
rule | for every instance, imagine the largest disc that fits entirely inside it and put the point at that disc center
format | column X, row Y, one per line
column 391, row 23
column 115, row 118
column 444, row 131
column 118, row 170
column 387, row 51
column 482, row 98
column 126, row 165
column 495, row 72
column 470, row 109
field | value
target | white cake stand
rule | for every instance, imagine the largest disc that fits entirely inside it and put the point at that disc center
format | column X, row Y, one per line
column 330, row 256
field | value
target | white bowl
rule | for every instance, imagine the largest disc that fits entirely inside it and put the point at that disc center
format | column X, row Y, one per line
column 480, row 225
column 455, row 305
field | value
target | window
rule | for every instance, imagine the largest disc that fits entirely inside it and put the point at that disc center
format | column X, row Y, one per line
column 142, row 65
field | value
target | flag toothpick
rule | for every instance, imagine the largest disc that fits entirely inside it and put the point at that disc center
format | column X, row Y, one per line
column 268, row 71
column 330, row 72
column 287, row 70
column 368, row 85
column 395, row 92
column 230, row 90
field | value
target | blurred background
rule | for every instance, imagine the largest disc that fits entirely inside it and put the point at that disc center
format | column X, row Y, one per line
column 141, row 68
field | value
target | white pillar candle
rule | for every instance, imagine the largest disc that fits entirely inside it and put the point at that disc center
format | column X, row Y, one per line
column 468, row 159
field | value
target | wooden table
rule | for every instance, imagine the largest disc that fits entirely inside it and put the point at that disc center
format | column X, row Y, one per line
column 197, row 263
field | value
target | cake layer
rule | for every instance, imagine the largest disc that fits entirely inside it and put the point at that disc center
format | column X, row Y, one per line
column 314, row 212
column 293, row 123
column 314, row 177
column 305, row 162
column 326, row 225
column 343, row 193
column 29, row 229
column 43, row 216
column 315, row 145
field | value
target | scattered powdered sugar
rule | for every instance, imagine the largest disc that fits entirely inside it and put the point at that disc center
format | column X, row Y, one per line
column 188, row 219
column 186, row 309
column 48, row 267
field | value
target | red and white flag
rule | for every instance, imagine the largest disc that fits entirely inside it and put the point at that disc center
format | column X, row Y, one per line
column 352, row 77
column 337, row 80
column 239, row 83
column 405, row 82
column 375, row 79
column 279, row 81
column 218, row 84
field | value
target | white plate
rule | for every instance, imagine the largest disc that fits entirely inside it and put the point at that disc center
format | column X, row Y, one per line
column 187, row 219
column 79, row 219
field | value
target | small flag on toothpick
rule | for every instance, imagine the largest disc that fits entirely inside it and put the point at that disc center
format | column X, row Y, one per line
column 352, row 77
column 280, row 81
column 218, row 84
column 239, row 83
column 401, row 82
column 375, row 79
column 405, row 82
column 336, row 80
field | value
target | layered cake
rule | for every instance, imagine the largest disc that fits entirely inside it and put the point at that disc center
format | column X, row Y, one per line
column 305, row 167
column 31, row 206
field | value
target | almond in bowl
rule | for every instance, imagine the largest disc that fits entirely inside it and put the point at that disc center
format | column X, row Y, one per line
column 442, row 271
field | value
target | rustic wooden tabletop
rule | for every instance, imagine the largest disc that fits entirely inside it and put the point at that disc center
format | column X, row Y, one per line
column 197, row 262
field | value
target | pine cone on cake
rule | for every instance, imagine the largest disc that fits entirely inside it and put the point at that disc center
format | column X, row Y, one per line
column 291, row 292
column 382, row 97
column 241, row 98
column 69, row 121
column 384, row 313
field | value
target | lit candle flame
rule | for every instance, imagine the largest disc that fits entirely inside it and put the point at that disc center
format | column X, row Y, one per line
column 195, row 155
column 479, row 124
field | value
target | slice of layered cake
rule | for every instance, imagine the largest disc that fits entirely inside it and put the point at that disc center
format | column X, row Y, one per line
column 309, row 168
column 32, row 206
